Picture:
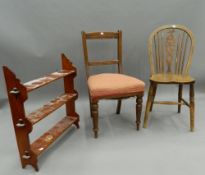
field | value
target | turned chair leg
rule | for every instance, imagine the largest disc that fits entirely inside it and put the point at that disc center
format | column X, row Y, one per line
column 119, row 102
column 94, row 108
column 148, row 105
column 180, row 97
column 192, row 107
column 138, row 111
column 154, row 93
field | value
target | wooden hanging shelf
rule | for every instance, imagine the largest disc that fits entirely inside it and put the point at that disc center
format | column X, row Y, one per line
column 18, row 94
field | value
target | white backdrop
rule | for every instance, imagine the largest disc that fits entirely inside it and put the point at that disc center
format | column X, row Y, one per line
column 33, row 33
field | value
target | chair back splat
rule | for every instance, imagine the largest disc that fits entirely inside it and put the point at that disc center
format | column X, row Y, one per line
column 170, row 50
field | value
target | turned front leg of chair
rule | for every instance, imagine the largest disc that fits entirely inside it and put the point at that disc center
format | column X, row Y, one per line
column 138, row 111
column 119, row 102
column 94, row 108
column 180, row 97
column 192, row 107
column 154, row 93
column 148, row 105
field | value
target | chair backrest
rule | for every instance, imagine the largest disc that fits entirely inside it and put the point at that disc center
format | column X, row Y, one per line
column 99, row 62
column 170, row 49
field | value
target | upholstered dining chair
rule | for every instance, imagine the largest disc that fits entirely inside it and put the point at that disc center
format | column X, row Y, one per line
column 116, row 86
column 170, row 50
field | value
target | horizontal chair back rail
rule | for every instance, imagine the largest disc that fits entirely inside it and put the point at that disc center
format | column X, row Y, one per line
column 102, row 62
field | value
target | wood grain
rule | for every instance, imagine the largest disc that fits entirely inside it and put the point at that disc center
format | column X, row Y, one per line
column 44, row 141
column 50, row 107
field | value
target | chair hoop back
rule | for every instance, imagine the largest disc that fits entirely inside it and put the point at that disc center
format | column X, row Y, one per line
column 170, row 49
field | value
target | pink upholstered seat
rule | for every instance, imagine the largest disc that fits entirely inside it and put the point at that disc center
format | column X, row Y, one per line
column 107, row 85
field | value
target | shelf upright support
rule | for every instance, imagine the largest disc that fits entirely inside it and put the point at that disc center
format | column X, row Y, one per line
column 69, row 88
column 17, row 95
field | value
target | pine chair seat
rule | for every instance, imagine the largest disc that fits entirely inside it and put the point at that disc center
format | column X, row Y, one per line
column 171, row 78
column 113, row 85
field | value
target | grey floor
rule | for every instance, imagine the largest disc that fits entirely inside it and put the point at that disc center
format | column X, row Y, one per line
column 165, row 147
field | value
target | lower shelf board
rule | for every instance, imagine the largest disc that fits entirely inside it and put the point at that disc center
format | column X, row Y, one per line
column 43, row 142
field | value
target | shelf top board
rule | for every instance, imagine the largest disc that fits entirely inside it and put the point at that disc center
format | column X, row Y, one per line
column 34, row 84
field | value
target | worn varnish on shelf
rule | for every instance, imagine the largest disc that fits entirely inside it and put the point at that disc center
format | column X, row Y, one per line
column 23, row 124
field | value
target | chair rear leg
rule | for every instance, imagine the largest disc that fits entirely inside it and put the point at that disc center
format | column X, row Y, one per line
column 90, row 106
column 119, row 102
column 192, row 107
column 180, row 97
column 148, row 105
column 94, row 108
column 154, row 93
column 138, row 111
